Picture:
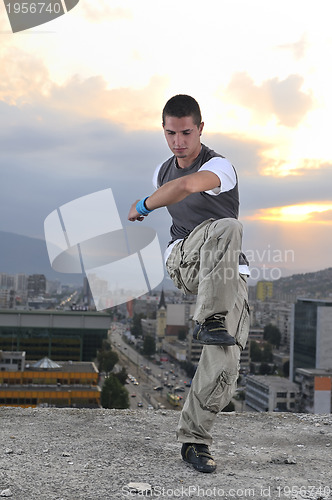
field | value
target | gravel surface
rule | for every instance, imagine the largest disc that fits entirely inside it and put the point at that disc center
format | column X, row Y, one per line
column 72, row 454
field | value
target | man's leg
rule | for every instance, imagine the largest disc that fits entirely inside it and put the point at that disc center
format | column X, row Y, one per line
column 211, row 390
column 219, row 269
column 215, row 379
column 206, row 263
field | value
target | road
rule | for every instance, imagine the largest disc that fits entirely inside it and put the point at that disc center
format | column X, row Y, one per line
column 138, row 366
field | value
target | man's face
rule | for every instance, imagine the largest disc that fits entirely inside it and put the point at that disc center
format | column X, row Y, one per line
column 183, row 138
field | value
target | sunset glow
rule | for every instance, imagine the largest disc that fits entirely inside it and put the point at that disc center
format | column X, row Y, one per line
column 309, row 212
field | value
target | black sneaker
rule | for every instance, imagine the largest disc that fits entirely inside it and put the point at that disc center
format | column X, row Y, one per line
column 212, row 332
column 199, row 456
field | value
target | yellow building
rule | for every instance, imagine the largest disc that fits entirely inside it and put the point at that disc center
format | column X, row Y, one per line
column 264, row 290
column 46, row 383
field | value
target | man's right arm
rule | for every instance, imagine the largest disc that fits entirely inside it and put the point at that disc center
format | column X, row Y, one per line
column 176, row 190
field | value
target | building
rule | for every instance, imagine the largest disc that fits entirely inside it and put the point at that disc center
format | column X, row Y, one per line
column 311, row 335
column 315, row 389
column 148, row 327
column 161, row 321
column 59, row 335
column 193, row 350
column 270, row 393
column 264, row 290
column 46, row 383
column 12, row 361
column 176, row 349
column 283, row 322
column 7, row 298
column 36, row 285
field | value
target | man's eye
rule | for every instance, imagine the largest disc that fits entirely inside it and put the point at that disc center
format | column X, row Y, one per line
column 186, row 133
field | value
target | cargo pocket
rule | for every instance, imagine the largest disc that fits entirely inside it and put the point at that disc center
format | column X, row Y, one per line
column 242, row 330
column 183, row 272
column 222, row 392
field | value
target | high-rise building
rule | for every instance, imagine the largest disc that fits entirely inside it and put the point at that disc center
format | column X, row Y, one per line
column 36, row 285
column 311, row 335
column 21, row 281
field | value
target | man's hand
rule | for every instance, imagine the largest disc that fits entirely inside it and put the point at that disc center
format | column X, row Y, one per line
column 133, row 214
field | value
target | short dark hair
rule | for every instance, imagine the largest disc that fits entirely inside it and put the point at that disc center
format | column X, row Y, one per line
column 182, row 105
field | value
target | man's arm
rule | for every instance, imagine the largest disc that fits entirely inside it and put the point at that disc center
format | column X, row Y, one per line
column 177, row 190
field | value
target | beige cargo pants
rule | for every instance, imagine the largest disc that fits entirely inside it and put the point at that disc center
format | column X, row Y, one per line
column 206, row 264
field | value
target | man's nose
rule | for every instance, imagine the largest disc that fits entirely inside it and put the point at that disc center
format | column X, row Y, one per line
column 178, row 140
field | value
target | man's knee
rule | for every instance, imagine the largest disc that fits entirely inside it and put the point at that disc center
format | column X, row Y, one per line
column 234, row 225
column 229, row 230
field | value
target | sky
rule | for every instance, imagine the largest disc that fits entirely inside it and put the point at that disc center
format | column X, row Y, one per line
column 81, row 100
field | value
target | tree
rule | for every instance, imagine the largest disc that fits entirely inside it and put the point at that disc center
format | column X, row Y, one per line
column 272, row 334
column 107, row 360
column 149, row 345
column 122, row 375
column 264, row 369
column 114, row 394
column 188, row 367
column 136, row 328
column 255, row 352
column 267, row 354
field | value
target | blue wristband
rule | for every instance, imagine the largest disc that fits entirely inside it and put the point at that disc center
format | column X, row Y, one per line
column 141, row 207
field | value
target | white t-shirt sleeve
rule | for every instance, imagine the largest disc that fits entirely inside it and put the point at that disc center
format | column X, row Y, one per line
column 224, row 170
column 155, row 177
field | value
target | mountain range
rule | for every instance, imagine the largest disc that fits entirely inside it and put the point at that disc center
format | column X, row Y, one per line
column 23, row 254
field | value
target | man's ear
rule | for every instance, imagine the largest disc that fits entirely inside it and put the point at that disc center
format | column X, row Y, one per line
column 200, row 128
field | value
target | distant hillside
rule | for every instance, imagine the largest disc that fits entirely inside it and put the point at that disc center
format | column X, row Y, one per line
column 22, row 254
column 316, row 285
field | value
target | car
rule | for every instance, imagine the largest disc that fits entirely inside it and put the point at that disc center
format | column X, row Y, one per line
column 179, row 389
column 140, row 404
column 150, row 407
column 158, row 388
column 133, row 395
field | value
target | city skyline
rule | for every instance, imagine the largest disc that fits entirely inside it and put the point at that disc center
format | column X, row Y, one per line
column 81, row 101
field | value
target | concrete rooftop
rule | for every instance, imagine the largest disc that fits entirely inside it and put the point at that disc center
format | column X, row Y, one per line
column 81, row 454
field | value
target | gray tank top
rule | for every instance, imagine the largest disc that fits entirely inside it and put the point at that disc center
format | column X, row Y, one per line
column 197, row 207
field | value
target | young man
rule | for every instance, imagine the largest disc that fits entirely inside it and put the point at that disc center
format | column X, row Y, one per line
column 200, row 190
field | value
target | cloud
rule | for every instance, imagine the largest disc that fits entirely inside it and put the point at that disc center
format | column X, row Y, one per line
column 22, row 78
column 282, row 98
column 133, row 108
column 308, row 167
column 84, row 97
column 298, row 48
